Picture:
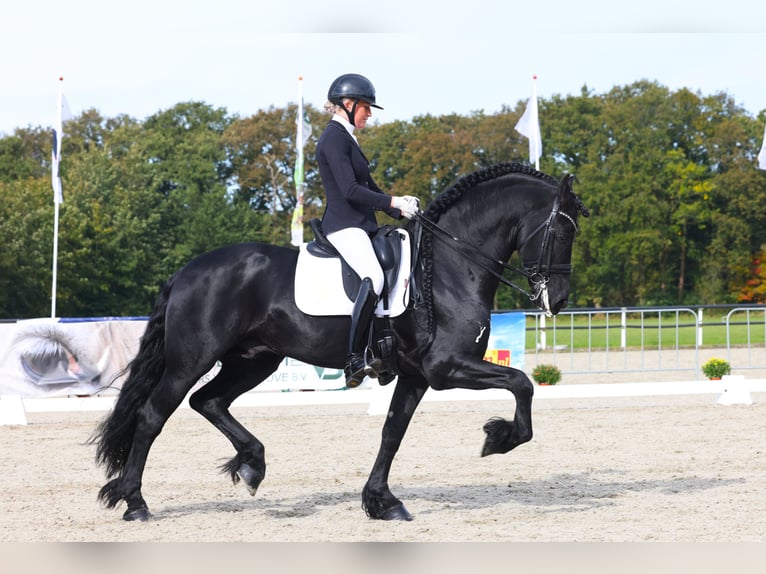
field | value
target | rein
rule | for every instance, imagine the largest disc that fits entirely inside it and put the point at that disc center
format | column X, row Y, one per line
column 538, row 273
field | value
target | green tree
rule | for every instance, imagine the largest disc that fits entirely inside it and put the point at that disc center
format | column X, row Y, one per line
column 188, row 168
column 15, row 164
column 26, row 236
column 678, row 210
column 437, row 151
column 263, row 154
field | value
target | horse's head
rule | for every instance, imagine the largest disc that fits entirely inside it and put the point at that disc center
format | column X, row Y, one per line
column 486, row 216
column 545, row 248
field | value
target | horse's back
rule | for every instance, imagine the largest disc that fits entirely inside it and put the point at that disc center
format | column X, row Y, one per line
column 230, row 285
column 236, row 255
column 233, row 265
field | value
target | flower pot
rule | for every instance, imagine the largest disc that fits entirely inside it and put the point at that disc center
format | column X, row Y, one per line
column 546, row 374
column 716, row 368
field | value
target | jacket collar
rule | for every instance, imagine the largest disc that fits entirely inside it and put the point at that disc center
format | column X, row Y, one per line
column 337, row 122
column 345, row 123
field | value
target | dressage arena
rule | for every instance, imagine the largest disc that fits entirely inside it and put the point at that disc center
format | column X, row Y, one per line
column 674, row 468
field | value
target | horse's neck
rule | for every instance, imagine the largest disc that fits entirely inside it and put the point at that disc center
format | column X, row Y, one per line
column 489, row 233
column 464, row 261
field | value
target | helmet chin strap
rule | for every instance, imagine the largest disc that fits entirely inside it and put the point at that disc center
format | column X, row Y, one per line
column 351, row 113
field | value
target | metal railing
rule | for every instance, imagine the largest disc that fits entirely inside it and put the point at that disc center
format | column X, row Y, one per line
column 754, row 356
column 654, row 339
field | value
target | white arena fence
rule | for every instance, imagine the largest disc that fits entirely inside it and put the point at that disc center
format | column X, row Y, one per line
column 649, row 339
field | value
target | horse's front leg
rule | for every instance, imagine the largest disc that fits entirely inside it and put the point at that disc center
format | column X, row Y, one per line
column 502, row 435
column 377, row 499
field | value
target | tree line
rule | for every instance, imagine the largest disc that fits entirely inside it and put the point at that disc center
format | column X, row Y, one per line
column 678, row 209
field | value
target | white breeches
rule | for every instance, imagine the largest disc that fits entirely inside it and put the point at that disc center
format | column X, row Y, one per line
column 355, row 246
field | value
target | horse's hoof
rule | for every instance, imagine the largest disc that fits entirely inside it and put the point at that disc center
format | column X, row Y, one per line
column 490, row 448
column 499, row 439
column 248, row 475
column 140, row 514
column 398, row 512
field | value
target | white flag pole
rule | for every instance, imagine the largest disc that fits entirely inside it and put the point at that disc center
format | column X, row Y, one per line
column 536, row 123
column 55, row 257
column 299, row 138
column 300, row 112
column 57, row 193
column 296, row 227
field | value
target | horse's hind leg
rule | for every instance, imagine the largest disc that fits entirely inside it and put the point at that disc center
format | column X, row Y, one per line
column 237, row 375
column 150, row 419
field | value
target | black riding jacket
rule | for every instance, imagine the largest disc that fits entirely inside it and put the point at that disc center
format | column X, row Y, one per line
column 352, row 195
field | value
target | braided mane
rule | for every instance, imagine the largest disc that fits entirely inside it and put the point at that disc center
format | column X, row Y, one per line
column 447, row 199
column 452, row 194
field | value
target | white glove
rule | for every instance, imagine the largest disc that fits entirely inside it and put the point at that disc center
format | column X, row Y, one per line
column 408, row 205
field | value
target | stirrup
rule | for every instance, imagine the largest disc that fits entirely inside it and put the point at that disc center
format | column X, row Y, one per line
column 354, row 371
column 372, row 364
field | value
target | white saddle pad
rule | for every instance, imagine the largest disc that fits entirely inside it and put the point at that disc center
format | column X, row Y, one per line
column 319, row 285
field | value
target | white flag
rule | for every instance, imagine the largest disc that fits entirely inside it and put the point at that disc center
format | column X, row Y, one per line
column 301, row 137
column 58, row 195
column 762, row 153
column 529, row 126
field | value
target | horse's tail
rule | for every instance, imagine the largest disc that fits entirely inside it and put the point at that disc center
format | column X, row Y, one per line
column 114, row 436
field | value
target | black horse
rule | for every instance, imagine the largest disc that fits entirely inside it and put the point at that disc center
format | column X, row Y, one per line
column 236, row 305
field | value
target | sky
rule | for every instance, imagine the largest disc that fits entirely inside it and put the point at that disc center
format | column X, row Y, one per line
column 438, row 57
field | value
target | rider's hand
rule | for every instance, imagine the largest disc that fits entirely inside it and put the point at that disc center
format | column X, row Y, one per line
column 407, row 204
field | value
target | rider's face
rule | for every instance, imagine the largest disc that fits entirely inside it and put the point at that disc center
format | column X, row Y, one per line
column 362, row 114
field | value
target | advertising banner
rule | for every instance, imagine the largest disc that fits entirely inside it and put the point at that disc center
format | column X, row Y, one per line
column 506, row 340
column 85, row 357
column 55, row 357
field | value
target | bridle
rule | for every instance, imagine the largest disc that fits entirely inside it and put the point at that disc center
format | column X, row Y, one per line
column 538, row 272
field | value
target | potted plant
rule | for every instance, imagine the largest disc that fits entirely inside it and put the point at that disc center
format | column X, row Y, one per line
column 546, row 374
column 716, row 368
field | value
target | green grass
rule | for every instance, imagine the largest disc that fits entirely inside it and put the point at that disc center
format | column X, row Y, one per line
column 583, row 332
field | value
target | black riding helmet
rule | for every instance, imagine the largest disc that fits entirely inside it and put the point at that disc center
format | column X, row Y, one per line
column 355, row 87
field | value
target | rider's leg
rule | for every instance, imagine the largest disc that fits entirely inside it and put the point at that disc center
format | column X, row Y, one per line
column 361, row 317
column 356, row 248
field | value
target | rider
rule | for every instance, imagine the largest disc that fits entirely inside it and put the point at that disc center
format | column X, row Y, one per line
column 352, row 198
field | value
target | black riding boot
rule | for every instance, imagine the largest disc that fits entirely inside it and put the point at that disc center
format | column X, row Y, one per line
column 361, row 317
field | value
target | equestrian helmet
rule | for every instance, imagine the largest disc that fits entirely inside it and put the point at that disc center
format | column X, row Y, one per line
column 354, row 86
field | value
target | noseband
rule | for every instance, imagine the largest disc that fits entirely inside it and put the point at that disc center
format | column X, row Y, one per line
column 538, row 272
column 542, row 266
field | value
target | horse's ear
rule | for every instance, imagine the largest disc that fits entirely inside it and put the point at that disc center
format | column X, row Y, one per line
column 565, row 185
